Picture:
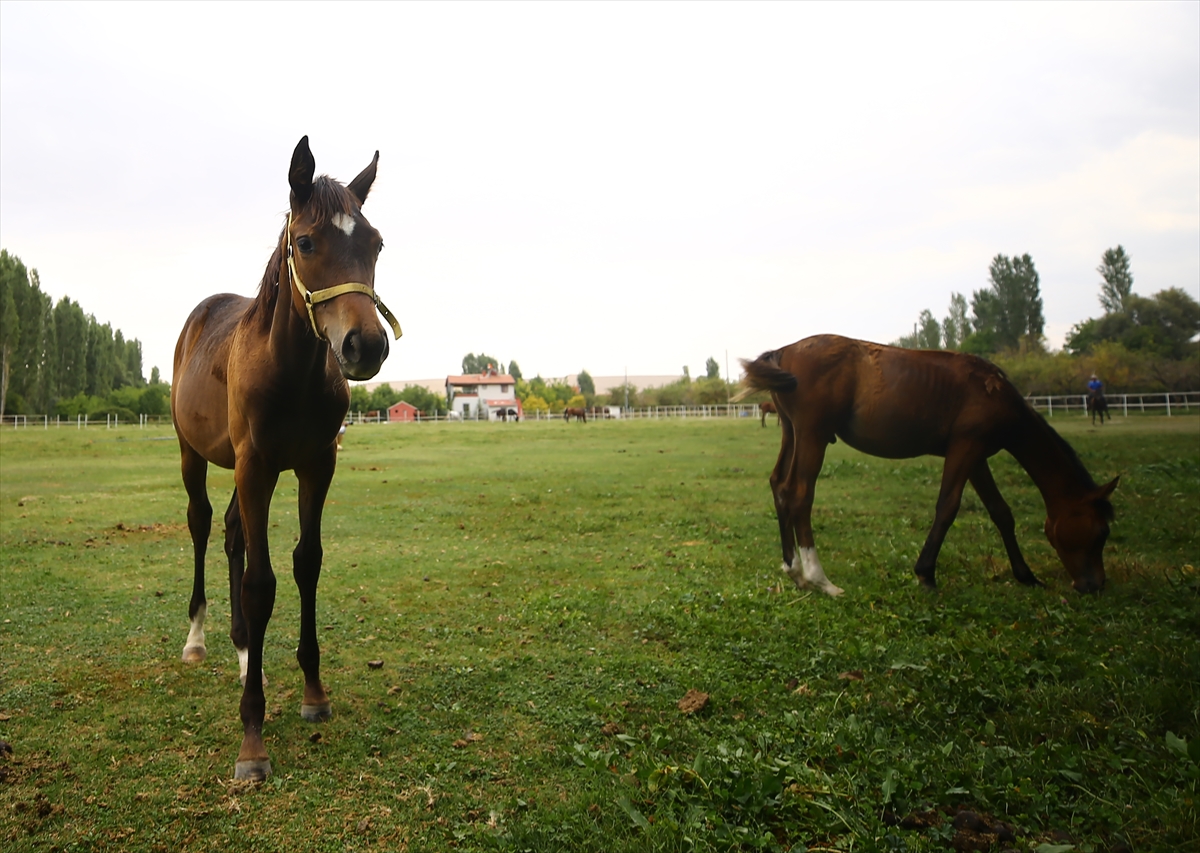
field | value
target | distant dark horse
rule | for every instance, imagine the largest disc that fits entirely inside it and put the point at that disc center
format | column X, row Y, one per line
column 766, row 408
column 900, row 403
column 260, row 387
column 1097, row 404
column 579, row 414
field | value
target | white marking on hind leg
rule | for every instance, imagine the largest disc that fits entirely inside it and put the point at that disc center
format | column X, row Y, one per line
column 193, row 647
column 811, row 572
column 244, row 666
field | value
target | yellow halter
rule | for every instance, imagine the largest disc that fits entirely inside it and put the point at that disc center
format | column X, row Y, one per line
column 325, row 294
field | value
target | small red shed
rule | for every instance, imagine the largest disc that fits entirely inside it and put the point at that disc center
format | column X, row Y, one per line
column 402, row 411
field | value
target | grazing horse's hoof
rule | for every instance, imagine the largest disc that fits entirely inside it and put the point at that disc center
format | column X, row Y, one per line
column 316, row 713
column 253, row 770
column 194, row 654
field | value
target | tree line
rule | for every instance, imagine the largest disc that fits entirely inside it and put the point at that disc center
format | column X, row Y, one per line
column 1140, row 343
column 56, row 359
column 539, row 395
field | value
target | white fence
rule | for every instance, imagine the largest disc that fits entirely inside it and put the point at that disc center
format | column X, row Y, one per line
column 111, row 421
column 1122, row 404
column 1158, row 402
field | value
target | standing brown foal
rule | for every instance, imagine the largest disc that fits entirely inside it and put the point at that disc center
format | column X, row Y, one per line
column 260, row 387
column 899, row 403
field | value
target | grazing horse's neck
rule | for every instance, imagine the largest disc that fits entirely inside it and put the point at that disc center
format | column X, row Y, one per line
column 1049, row 460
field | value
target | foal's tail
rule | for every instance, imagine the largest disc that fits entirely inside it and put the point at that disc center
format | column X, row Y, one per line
column 765, row 374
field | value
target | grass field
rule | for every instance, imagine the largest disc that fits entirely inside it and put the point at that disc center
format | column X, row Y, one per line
column 543, row 595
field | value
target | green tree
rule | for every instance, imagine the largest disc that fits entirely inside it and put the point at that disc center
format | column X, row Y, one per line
column 360, row 398
column 533, row 404
column 472, row 363
column 425, row 400
column 72, row 327
column 955, row 327
column 712, row 370
column 99, row 360
column 1117, row 286
column 587, row 387
column 623, row 395
column 1011, row 309
column 1162, row 324
column 514, row 371
column 383, row 397
column 10, row 320
column 929, row 331
column 154, row 375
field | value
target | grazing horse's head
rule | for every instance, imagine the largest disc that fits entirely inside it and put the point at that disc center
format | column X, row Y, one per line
column 331, row 253
column 1078, row 530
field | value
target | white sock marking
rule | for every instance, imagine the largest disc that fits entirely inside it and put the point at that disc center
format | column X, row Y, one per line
column 805, row 571
column 345, row 222
column 195, row 635
column 244, row 666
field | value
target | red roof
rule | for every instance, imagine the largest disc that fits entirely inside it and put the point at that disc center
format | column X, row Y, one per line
column 481, row 379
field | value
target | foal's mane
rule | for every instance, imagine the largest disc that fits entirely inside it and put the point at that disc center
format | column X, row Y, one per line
column 328, row 199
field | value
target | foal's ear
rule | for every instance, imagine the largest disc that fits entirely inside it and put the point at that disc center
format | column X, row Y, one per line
column 361, row 185
column 1108, row 488
column 300, row 175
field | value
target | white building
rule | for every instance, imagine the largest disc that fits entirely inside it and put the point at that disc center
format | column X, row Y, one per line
column 490, row 395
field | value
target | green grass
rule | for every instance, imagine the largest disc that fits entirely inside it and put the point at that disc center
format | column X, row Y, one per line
column 542, row 595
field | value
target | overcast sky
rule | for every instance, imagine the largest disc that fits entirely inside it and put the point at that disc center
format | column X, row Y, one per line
column 606, row 186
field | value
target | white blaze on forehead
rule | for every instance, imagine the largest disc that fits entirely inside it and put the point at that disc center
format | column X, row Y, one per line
column 345, row 222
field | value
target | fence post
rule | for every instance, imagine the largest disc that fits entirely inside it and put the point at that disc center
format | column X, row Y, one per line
column 1050, row 403
column 1168, row 396
column 1125, row 404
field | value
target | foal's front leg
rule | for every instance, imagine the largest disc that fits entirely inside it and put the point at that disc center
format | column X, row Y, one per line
column 255, row 485
column 306, row 569
column 960, row 461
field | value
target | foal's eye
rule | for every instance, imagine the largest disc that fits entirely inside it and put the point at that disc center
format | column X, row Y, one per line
column 380, row 249
column 305, row 245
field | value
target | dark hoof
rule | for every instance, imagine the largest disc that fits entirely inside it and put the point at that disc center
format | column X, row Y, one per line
column 316, row 713
column 253, row 770
column 927, row 583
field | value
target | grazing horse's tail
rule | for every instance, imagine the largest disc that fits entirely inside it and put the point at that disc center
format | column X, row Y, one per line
column 765, row 374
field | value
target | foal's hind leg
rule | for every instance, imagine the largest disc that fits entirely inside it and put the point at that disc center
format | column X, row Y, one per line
column 1002, row 517
column 779, row 493
column 199, row 516
column 235, row 551
column 805, row 569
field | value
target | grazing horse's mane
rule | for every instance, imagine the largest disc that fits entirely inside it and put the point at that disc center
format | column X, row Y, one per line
column 1072, row 461
column 328, row 199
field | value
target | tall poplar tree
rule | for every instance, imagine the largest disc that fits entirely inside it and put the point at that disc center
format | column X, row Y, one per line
column 1117, row 286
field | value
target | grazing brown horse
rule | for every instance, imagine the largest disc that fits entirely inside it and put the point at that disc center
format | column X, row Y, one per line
column 260, row 387
column 580, row 415
column 1097, row 404
column 899, row 403
column 766, row 407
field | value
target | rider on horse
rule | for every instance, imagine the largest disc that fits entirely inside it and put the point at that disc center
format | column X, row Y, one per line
column 1095, row 386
